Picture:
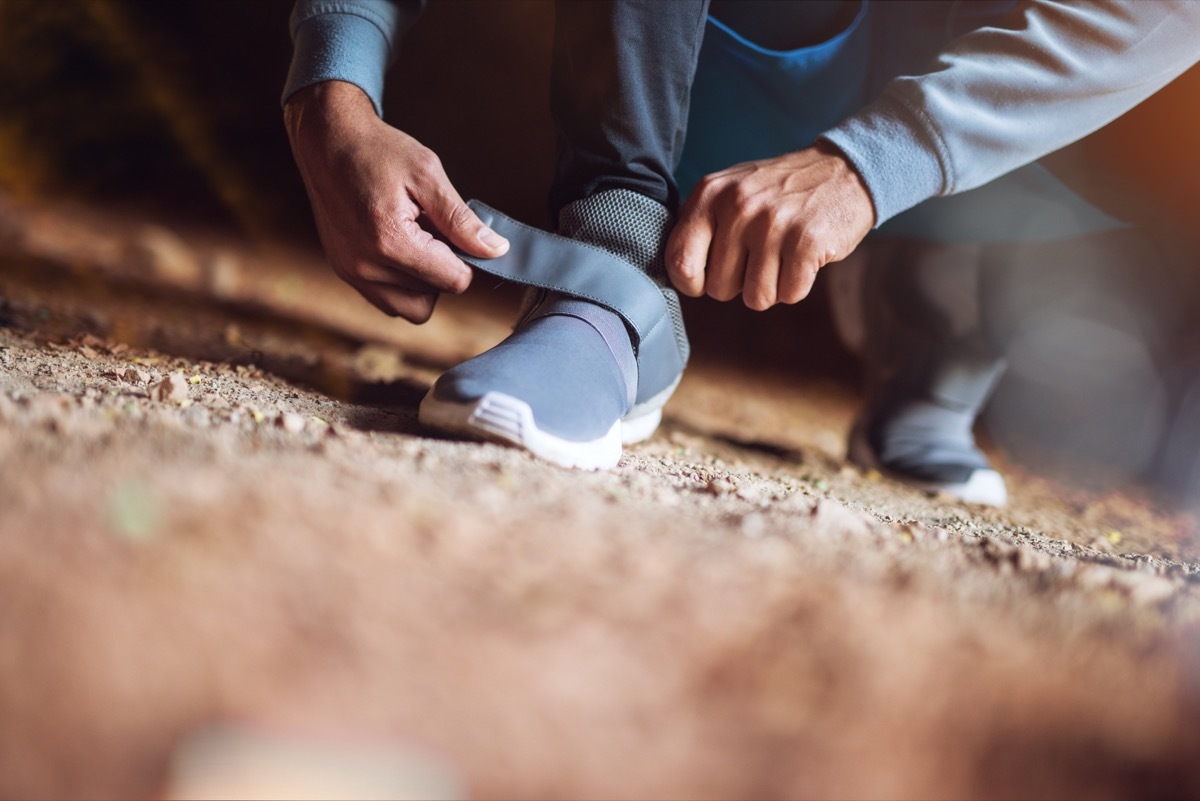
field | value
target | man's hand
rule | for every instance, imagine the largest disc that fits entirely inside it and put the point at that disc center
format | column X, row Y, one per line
column 764, row 228
column 372, row 187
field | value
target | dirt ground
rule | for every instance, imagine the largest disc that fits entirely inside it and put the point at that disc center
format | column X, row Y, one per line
column 269, row 547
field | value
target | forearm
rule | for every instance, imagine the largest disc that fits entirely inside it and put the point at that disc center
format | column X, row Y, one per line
column 998, row 98
column 347, row 40
column 375, row 193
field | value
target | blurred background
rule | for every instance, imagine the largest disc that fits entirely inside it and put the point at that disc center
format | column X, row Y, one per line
column 170, row 111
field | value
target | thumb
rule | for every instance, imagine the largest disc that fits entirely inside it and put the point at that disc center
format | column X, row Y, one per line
column 458, row 223
column 687, row 251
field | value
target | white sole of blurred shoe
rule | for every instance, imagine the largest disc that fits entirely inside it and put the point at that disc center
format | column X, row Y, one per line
column 985, row 486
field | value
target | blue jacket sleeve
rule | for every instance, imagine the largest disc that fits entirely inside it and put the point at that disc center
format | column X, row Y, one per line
column 347, row 40
column 998, row 98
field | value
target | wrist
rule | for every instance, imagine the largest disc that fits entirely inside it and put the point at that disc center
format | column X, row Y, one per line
column 849, row 179
column 326, row 106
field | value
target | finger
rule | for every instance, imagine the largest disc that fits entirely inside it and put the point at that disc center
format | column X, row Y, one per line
column 687, row 248
column 726, row 264
column 452, row 217
column 761, row 288
column 379, row 272
column 417, row 253
column 401, row 255
column 797, row 269
column 416, row 307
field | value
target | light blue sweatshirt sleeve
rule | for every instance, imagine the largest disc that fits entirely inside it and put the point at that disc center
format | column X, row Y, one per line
column 997, row 98
column 347, row 40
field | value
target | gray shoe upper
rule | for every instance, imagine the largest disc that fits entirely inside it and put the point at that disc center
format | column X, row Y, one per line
column 603, row 334
column 561, row 366
column 596, row 274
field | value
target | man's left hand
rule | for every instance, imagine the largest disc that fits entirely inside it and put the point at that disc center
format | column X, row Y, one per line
column 764, row 228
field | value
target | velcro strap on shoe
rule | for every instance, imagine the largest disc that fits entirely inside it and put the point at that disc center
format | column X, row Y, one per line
column 542, row 259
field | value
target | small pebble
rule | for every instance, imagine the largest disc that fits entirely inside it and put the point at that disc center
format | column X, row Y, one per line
column 291, row 422
column 720, row 486
column 172, row 388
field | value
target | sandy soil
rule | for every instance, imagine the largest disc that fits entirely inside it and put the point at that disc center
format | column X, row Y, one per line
column 269, row 542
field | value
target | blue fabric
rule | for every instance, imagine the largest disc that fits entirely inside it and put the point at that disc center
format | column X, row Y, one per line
column 751, row 103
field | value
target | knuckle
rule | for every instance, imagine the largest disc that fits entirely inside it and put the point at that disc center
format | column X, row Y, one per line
column 778, row 217
column 817, row 236
column 709, row 189
column 808, row 276
column 706, row 184
column 354, row 272
column 795, row 282
column 381, row 229
column 722, row 293
column 807, row 247
column 459, row 215
column 740, row 194
column 790, row 296
column 679, row 266
column 759, row 301
column 459, row 282
column 427, row 164
column 421, row 310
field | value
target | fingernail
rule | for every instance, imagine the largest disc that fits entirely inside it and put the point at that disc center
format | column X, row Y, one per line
column 492, row 239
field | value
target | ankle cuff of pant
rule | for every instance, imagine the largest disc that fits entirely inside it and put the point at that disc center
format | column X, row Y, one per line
column 631, row 226
column 634, row 228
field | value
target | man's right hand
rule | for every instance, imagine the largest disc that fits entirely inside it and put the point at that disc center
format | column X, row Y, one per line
column 369, row 185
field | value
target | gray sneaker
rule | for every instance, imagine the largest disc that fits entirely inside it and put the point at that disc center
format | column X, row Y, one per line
column 928, row 373
column 926, row 441
column 598, row 352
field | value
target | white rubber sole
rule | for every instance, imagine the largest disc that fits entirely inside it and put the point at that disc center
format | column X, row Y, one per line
column 502, row 418
column 985, row 486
